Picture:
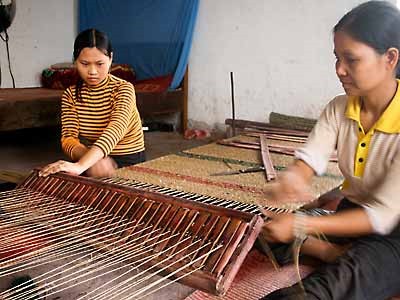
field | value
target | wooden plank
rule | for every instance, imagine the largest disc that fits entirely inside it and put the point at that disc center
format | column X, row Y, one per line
column 283, row 149
column 270, row 173
column 12, row 176
column 29, row 108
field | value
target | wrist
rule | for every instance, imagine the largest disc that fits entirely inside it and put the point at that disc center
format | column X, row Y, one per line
column 302, row 170
column 300, row 225
column 81, row 167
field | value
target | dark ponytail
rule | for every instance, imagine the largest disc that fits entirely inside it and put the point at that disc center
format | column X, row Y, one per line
column 375, row 23
column 90, row 38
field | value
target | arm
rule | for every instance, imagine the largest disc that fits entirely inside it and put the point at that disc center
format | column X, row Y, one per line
column 70, row 127
column 383, row 207
column 78, row 152
column 352, row 222
column 303, row 170
column 89, row 159
column 122, row 116
column 85, row 158
column 380, row 216
column 293, row 185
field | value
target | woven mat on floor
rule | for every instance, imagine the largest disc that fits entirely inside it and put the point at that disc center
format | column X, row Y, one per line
column 256, row 278
column 190, row 170
column 193, row 176
column 250, row 157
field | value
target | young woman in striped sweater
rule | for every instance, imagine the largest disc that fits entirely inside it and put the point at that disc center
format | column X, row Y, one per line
column 101, row 126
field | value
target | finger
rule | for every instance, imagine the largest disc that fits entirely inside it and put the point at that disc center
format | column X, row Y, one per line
column 267, row 213
column 267, row 221
column 52, row 168
column 45, row 172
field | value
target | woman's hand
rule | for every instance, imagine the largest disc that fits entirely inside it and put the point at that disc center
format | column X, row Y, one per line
column 290, row 187
column 279, row 228
column 293, row 185
column 62, row 166
column 103, row 168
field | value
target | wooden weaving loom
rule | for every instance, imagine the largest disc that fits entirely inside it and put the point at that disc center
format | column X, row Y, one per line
column 57, row 217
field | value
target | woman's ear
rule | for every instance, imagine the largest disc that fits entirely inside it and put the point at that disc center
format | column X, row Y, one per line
column 111, row 58
column 392, row 55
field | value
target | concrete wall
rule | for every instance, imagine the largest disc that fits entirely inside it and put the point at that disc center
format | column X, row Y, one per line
column 41, row 34
column 279, row 50
column 281, row 53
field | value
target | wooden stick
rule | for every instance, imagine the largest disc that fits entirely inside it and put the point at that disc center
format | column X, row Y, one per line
column 286, row 132
column 233, row 105
column 270, row 173
column 283, row 149
column 278, row 137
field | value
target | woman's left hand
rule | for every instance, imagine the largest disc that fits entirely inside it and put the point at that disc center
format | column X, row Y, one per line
column 61, row 166
column 279, row 228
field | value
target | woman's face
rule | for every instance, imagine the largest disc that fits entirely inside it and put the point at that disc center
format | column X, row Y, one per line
column 93, row 65
column 359, row 67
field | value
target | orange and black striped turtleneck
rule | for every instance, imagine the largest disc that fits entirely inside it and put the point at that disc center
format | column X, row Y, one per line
column 105, row 116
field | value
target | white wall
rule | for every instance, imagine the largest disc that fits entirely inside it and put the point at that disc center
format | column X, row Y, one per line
column 279, row 50
column 41, row 34
column 281, row 53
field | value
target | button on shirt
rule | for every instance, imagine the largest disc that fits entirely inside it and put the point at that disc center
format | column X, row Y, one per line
column 369, row 161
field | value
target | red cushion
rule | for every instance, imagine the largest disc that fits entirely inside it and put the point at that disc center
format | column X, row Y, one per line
column 61, row 78
column 153, row 85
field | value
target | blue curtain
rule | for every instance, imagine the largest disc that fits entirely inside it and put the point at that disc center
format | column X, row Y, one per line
column 153, row 36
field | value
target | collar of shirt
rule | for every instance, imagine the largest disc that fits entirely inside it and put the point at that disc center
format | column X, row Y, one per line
column 388, row 121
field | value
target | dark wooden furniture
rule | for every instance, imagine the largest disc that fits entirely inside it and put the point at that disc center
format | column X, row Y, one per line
column 40, row 107
column 29, row 108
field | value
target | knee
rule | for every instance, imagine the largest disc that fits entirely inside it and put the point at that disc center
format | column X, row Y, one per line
column 103, row 168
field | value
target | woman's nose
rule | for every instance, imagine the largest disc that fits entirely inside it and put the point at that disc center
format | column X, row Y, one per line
column 340, row 69
column 92, row 70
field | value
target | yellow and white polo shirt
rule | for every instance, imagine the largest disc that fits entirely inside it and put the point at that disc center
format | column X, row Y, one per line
column 369, row 161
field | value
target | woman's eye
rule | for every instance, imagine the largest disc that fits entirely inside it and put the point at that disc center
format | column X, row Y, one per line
column 351, row 60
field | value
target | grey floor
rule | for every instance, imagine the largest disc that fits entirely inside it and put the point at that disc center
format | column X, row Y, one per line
column 24, row 150
column 27, row 149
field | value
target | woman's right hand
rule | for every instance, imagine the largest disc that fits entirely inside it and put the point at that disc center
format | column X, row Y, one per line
column 291, row 187
column 62, row 166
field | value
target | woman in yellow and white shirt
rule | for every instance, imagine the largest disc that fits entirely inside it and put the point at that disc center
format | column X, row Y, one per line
column 364, row 127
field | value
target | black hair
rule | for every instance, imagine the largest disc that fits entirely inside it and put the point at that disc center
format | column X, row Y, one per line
column 374, row 23
column 90, row 38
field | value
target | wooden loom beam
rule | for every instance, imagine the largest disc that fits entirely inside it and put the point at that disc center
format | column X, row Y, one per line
column 270, row 172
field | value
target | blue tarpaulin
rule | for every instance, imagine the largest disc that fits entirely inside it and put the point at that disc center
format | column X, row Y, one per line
column 153, row 36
